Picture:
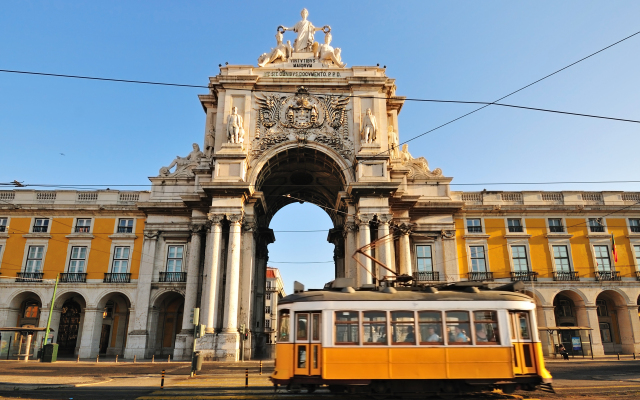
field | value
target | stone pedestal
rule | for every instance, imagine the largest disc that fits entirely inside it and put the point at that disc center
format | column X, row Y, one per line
column 183, row 346
column 231, row 163
column 228, row 346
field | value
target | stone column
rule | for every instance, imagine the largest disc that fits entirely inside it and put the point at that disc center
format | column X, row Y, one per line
column 547, row 317
column 138, row 334
column 385, row 254
column 193, row 267
column 91, row 330
column 208, row 313
column 351, row 267
column 449, row 256
column 629, row 326
column 405, row 250
column 336, row 237
column 246, row 289
column 365, row 239
column 264, row 237
column 588, row 316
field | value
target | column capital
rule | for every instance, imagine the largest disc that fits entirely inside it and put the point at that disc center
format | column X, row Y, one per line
column 364, row 219
column 448, row 234
column 349, row 226
column 235, row 218
column 385, row 218
column 197, row 228
column 249, row 225
column 153, row 235
column 215, row 218
column 404, row 227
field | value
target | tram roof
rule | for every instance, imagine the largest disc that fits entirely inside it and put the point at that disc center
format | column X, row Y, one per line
column 402, row 295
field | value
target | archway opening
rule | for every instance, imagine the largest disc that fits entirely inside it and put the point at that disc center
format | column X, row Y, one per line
column 68, row 327
column 168, row 312
column 612, row 321
column 112, row 324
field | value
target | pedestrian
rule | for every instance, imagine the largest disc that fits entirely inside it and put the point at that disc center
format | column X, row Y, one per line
column 563, row 352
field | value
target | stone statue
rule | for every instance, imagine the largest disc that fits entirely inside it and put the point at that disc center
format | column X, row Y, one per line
column 305, row 31
column 394, row 143
column 235, row 131
column 369, row 127
column 183, row 164
column 281, row 51
column 327, row 53
column 209, row 143
column 405, row 156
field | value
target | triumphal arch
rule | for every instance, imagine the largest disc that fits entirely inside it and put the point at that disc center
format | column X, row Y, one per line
column 301, row 126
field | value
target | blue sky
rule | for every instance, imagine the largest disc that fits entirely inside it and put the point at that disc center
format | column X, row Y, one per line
column 116, row 133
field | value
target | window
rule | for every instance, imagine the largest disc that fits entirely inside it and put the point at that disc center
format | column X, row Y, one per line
column 601, row 308
column 474, row 225
column 41, row 225
column 268, row 296
column 424, row 259
column 174, row 258
column 402, row 327
column 3, row 224
column 458, row 327
column 78, row 259
column 125, row 225
column 636, row 248
column 603, row 263
column 267, row 310
column 34, row 259
column 564, row 308
column 555, row 225
column 486, row 324
column 605, row 332
column 519, row 255
column 83, row 225
column 31, row 309
column 478, row 263
column 561, row 257
column 514, row 225
column 347, row 327
column 120, row 260
column 634, row 225
column 267, row 323
column 596, row 225
column 268, row 284
column 283, row 326
column 374, row 327
column 302, row 326
column 430, row 327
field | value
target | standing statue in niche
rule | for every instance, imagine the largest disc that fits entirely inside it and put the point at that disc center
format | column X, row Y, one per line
column 369, row 128
column 209, row 143
column 305, row 31
column 394, row 143
column 281, row 51
column 327, row 53
column 235, row 132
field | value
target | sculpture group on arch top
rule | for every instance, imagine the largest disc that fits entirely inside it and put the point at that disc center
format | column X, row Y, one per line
column 303, row 116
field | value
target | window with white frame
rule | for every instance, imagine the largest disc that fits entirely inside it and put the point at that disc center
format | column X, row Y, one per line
column 267, row 310
column 555, row 225
column 634, row 225
column 561, row 258
column 83, row 225
column 125, row 225
column 120, row 260
column 41, row 225
column 603, row 263
column 474, row 225
column 636, row 248
column 596, row 225
column 3, row 224
column 174, row 258
column 519, row 257
column 267, row 323
column 78, row 260
column 268, row 296
column 424, row 261
column 35, row 258
column 478, row 261
column 514, row 225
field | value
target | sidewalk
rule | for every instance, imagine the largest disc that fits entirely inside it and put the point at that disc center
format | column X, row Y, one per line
column 623, row 357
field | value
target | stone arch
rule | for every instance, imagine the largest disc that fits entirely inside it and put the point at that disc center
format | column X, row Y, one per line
column 108, row 323
column 19, row 304
column 165, row 321
column 614, row 322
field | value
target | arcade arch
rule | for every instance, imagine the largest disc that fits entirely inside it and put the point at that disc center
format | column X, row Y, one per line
column 110, row 324
column 165, row 322
column 67, row 321
column 614, row 323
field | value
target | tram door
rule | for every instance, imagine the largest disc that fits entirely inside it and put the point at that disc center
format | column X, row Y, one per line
column 522, row 340
column 307, row 344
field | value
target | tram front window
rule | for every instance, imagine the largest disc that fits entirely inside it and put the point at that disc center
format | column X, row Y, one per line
column 283, row 326
column 374, row 327
column 458, row 327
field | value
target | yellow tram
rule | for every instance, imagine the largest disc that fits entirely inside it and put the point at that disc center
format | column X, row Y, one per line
column 452, row 339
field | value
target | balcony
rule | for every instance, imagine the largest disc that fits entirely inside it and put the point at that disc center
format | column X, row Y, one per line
column 3, row 228
column 426, row 276
column 525, row 276
column 29, row 276
column 556, row 229
column 634, row 228
column 111, row 277
column 596, row 229
column 173, row 276
column 125, row 229
column 474, row 229
column 82, row 229
column 480, row 276
column 607, row 276
column 515, row 229
column 272, row 289
column 73, row 277
column 566, row 276
column 40, row 229
column 638, row 275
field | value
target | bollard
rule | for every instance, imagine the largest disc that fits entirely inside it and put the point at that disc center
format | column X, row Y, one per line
column 153, row 358
column 162, row 381
column 134, row 358
column 260, row 367
column 618, row 356
column 116, row 358
column 246, row 377
column 98, row 358
column 169, row 359
column 78, row 360
column 634, row 356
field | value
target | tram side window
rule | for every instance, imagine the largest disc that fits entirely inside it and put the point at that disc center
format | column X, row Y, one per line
column 302, row 324
column 347, row 327
column 430, row 326
column 458, row 327
column 402, row 327
column 283, row 326
column 374, row 327
column 486, row 324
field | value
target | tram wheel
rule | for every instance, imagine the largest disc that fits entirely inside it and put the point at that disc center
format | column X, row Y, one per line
column 508, row 389
column 310, row 388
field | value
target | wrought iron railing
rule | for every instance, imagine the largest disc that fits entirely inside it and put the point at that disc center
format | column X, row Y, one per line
column 481, row 276
column 173, row 276
column 638, row 275
column 515, row 229
column 566, row 276
column 82, row 229
column 125, row 229
column 112, row 277
column 608, row 276
column 474, row 229
column 29, row 276
column 426, row 276
column 556, row 229
column 596, row 228
column 40, row 229
column 3, row 228
column 526, row 276
column 635, row 229
column 73, row 277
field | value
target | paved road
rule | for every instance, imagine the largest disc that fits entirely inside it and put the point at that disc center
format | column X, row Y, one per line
column 573, row 379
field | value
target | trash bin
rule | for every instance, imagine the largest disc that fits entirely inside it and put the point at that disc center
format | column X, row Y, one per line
column 197, row 361
column 50, row 352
